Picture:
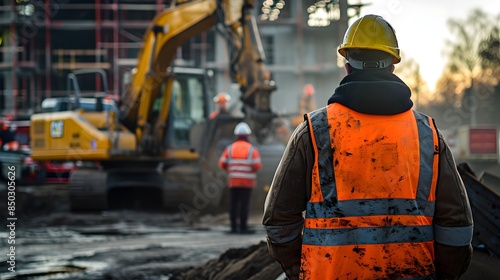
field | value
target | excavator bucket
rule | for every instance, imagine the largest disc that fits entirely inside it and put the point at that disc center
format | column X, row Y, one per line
column 214, row 136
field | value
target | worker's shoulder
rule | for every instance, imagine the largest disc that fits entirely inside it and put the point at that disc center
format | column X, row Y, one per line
column 242, row 144
column 442, row 139
column 246, row 146
column 301, row 133
column 419, row 114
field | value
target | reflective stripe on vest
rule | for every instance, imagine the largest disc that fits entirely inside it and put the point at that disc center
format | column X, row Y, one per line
column 372, row 197
column 241, row 167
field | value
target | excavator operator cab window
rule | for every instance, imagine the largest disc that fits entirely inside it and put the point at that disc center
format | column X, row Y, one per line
column 187, row 109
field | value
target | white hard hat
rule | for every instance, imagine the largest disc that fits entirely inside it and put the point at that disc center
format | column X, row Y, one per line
column 242, row 129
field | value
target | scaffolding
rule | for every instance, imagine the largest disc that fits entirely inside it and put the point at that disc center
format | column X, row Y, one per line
column 41, row 41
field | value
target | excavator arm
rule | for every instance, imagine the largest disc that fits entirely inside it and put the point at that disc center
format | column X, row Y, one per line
column 168, row 31
column 248, row 68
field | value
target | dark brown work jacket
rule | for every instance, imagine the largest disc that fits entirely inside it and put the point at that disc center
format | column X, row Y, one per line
column 350, row 216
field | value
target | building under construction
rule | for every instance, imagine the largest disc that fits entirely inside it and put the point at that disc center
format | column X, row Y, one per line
column 41, row 41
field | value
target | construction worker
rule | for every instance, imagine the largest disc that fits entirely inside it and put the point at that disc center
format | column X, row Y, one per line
column 378, row 183
column 221, row 101
column 307, row 103
column 240, row 160
column 8, row 140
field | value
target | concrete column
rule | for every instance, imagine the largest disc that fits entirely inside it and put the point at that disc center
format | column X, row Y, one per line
column 8, row 76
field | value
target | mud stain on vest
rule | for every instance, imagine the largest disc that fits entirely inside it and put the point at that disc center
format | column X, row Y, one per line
column 416, row 233
column 344, row 223
column 360, row 251
column 329, row 257
column 414, row 209
column 353, row 123
column 314, row 191
column 387, row 221
column 376, row 140
column 332, row 203
column 393, row 209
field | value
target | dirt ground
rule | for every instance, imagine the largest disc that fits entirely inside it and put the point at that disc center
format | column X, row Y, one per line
column 56, row 244
column 170, row 262
column 254, row 263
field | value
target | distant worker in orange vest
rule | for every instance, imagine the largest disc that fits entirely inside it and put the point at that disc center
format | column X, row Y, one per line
column 307, row 103
column 378, row 184
column 221, row 101
column 240, row 160
column 8, row 140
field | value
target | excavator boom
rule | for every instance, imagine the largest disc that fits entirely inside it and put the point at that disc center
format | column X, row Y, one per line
column 168, row 31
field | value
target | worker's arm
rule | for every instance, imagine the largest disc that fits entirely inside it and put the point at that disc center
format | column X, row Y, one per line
column 452, row 220
column 256, row 161
column 223, row 159
column 286, row 201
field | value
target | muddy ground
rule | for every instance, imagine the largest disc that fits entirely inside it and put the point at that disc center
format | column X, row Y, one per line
column 53, row 243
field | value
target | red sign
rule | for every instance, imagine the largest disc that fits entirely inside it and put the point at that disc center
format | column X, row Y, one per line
column 483, row 140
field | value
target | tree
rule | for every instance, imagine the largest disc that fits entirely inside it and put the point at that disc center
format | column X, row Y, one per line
column 489, row 49
column 467, row 73
column 409, row 71
column 489, row 52
column 445, row 104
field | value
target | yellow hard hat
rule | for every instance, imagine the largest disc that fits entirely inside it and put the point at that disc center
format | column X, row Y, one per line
column 371, row 32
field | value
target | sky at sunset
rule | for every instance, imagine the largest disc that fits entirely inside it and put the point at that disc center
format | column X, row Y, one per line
column 421, row 27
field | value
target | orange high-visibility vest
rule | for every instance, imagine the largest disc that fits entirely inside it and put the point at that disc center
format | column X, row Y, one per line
column 11, row 146
column 213, row 115
column 241, row 160
column 372, row 197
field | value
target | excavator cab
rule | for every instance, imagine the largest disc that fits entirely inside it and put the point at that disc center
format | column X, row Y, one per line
column 189, row 106
column 171, row 168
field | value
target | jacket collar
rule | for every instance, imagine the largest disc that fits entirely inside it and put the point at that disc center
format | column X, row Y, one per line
column 376, row 92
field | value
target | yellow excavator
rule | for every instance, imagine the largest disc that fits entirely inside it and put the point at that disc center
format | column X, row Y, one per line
column 156, row 146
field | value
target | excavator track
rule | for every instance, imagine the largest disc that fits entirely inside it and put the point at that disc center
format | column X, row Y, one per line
column 87, row 190
column 98, row 190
